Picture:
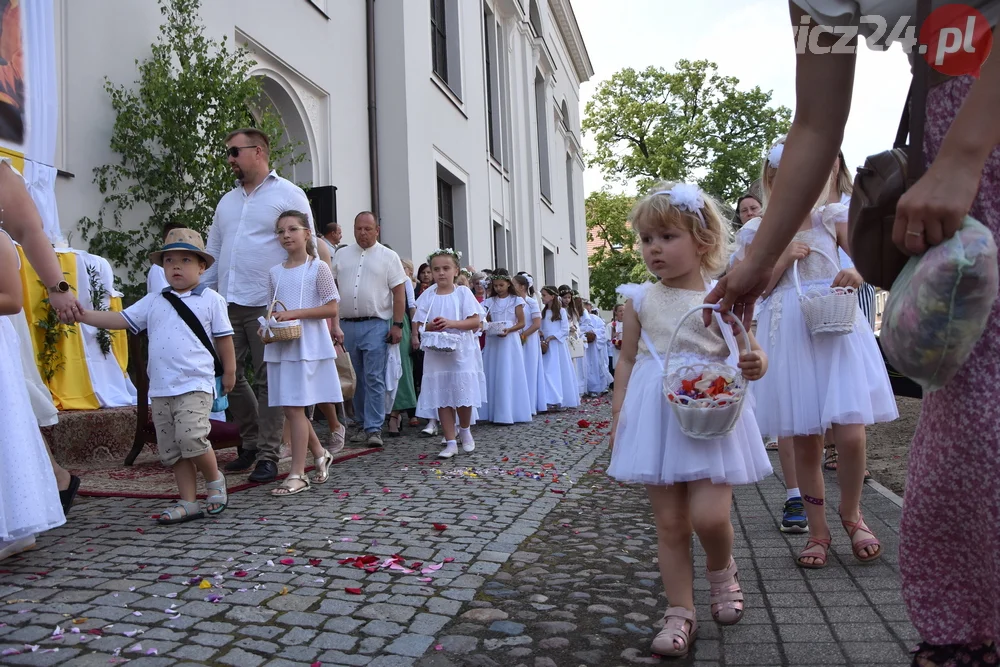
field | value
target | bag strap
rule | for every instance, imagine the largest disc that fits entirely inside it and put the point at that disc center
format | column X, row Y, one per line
column 915, row 113
column 192, row 321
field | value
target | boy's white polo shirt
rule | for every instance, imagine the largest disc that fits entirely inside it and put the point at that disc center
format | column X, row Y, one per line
column 178, row 362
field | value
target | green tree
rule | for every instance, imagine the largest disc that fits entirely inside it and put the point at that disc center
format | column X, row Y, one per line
column 169, row 133
column 616, row 260
column 689, row 125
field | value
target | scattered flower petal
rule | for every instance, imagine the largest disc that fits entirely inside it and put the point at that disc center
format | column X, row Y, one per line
column 353, row 591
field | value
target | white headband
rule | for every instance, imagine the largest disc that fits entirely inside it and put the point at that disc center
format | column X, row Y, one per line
column 774, row 157
column 687, row 198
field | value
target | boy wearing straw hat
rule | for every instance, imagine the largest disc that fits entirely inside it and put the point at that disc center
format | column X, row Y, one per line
column 182, row 370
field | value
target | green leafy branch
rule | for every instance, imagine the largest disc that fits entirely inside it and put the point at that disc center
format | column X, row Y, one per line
column 50, row 359
column 98, row 296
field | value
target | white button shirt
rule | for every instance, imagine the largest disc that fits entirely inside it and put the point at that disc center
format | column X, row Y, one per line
column 178, row 362
column 365, row 279
column 243, row 242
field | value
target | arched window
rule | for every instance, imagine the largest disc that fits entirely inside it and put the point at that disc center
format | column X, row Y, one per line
column 535, row 17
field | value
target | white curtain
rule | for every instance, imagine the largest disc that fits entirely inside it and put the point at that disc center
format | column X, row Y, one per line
column 113, row 388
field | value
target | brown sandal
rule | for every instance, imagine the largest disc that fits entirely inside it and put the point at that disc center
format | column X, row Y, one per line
column 811, row 543
column 726, row 595
column 677, row 635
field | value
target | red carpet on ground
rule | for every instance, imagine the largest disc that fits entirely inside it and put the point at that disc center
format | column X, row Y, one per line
column 148, row 478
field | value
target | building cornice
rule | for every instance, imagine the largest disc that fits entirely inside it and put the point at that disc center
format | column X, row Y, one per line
column 569, row 29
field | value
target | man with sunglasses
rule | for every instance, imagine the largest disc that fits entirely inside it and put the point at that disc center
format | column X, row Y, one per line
column 244, row 245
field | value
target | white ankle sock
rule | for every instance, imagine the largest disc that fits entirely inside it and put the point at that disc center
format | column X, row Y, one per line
column 464, row 434
column 794, row 493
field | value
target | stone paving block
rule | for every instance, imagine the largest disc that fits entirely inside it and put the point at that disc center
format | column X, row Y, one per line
column 382, row 628
column 391, row 612
column 814, row 654
column 872, row 653
column 340, row 658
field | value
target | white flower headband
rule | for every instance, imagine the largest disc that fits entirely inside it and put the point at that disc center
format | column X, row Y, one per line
column 457, row 254
column 687, row 198
column 774, row 156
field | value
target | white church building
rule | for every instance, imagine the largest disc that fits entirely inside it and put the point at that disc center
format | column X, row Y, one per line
column 457, row 121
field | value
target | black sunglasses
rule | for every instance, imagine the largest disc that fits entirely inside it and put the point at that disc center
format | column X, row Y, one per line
column 234, row 151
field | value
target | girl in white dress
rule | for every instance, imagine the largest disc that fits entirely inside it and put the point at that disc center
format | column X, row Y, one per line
column 29, row 497
column 689, row 482
column 445, row 324
column 507, row 399
column 303, row 372
column 531, row 340
column 819, row 381
column 577, row 343
column 560, row 386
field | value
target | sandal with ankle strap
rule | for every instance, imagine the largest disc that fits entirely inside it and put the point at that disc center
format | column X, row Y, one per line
column 217, row 495
column 182, row 512
column 678, row 633
column 726, row 597
column 858, row 547
column 286, row 488
column 322, row 472
column 821, row 542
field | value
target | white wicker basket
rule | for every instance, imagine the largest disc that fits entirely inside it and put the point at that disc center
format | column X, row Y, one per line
column 705, row 418
column 828, row 311
column 439, row 341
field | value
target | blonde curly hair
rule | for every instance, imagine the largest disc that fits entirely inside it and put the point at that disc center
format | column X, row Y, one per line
column 657, row 211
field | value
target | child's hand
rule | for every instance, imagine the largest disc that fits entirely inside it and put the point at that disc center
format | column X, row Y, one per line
column 614, row 429
column 848, row 278
column 284, row 315
column 228, row 381
column 337, row 334
column 502, row 334
column 415, row 343
column 752, row 365
column 437, row 324
column 796, row 250
column 591, row 336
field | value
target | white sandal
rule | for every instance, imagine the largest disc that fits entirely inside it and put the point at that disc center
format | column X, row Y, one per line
column 286, row 488
column 677, row 635
column 323, row 463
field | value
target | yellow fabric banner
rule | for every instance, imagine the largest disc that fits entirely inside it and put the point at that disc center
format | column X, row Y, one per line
column 119, row 338
column 69, row 379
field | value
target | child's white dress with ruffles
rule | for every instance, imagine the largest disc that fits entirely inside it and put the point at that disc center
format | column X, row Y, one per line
column 650, row 447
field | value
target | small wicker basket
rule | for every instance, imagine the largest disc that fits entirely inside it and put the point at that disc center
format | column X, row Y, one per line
column 828, row 311
column 705, row 418
column 283, row 331
column 496, row 328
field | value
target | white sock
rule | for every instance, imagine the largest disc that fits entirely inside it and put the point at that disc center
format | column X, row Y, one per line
column 464, row 434
column 794, row 493
column 451, row 444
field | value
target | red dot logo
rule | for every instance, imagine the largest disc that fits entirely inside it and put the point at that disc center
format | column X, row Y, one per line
column 955, row 40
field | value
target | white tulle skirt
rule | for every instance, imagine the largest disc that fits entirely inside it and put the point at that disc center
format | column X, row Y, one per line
column 812, row 383
column 650, row 447
column 29, row 497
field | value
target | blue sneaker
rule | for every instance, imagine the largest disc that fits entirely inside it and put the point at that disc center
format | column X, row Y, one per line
column 793, row 517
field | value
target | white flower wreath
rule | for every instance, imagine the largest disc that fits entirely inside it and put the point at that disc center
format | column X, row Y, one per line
column 457, row 254
column 774, row 156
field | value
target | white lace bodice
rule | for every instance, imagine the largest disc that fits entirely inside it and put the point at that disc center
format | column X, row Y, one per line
column 660, row 309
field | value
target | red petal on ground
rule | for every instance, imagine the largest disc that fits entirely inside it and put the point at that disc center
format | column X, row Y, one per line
column 353, row 591
column 449, row 560
column 240, row 573
column 315, row 561
column 140, row 531
column 287, row 561
column 558, row 491
column 439, row 526
column 164, row 577
column 583, row 423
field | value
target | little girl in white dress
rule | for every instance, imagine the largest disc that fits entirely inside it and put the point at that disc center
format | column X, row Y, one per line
column 689, row 482
column 29, row 496
column 560, row 386
column 453, row 383
column 303, row 371
column 507, row 400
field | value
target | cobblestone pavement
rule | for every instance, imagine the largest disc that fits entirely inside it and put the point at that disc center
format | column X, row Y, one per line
column 522, row 553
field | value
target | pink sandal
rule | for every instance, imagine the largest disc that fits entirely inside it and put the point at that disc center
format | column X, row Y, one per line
column 811, row 543
column 859, row 546
column 726, row 595
column 677, row 635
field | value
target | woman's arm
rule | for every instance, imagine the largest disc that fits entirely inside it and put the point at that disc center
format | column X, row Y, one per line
column 823, row 87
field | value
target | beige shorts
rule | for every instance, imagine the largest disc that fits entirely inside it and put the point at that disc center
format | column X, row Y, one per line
column 182, row 425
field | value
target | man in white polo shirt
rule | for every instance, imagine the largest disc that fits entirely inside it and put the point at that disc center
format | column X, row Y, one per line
column 370, row 279
column 243, row 242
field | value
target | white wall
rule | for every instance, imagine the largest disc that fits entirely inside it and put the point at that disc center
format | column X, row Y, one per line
column 322, row 61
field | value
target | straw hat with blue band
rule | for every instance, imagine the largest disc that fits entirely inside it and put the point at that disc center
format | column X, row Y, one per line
column 182, row 239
